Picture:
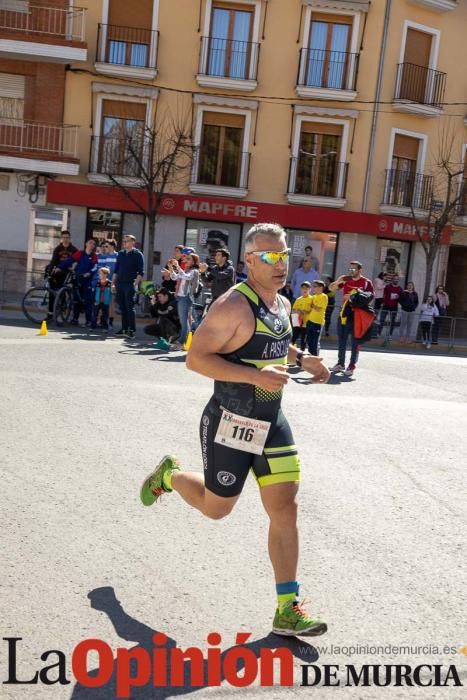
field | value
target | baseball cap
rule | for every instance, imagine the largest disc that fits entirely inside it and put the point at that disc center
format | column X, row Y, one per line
column 187, row 251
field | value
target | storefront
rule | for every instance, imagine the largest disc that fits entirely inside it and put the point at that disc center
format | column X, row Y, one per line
column 331, row 237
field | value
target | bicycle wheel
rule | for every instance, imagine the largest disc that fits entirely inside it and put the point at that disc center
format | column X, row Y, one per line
column 63, row 307
column 35, row 304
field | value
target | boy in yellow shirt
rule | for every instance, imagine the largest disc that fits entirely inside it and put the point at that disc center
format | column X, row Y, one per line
column 316, row 316
column 300, row 310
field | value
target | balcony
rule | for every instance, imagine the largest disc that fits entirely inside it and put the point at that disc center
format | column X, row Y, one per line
column 223, row 173
column 320, row 182
column 327, row 75
column 436, row 5
column 404, row 191
column 44, row 148
column 419, row 90
column 461, row 209
column 127, row 51
column 228, row 64
column 119, row 158
column 43, row 33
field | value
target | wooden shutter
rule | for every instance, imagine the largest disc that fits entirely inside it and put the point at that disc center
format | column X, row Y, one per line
column 135, row 14
column 124, row 110
column 12, row 85
column 321, row 128
column 331, row 19
column 224, row 119
column 406, row 147
column 418, row 48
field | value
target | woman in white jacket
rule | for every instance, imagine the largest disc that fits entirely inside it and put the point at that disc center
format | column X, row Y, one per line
column 189, row 282
column 428, row 313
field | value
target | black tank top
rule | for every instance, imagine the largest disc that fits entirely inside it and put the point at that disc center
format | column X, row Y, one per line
column 268, row 345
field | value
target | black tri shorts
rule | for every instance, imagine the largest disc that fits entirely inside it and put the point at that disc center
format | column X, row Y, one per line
column 226, row 468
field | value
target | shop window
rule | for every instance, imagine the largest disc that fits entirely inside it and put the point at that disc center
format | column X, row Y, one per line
column 319, row 246
column 392, row 259
column 208, row 236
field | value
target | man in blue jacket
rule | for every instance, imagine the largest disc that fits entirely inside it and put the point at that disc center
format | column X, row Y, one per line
column 129, row 272
column 85, row 261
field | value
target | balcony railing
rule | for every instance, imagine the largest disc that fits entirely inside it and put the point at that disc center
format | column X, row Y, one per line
column 37, row 140
column 54, row 22
column 336, row 70
column 419, row 84
column 407, row 189
column 461, row 209
column 318, row 177
column 229, row 58
column 222, row 168
column 135, row 47
column 119, row 157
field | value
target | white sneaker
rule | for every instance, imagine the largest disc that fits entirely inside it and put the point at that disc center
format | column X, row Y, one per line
column 349, row 371
column 337, row 368
column 428, row 346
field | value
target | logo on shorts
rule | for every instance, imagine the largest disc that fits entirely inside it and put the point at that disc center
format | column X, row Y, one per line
column 205, row 420
column 226, row 478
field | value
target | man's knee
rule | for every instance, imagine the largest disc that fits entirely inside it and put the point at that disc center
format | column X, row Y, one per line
column 218, row 511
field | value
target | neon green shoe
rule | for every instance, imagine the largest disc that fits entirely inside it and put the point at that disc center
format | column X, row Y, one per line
column 294, row 621
column 153, row 486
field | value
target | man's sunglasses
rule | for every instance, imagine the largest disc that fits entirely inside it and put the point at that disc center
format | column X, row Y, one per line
column 272, row 257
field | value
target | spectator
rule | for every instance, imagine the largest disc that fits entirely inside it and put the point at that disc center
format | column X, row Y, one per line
column 330, row 307
column 166, row 322
column 189, row 283
column 408, row 301
column 300, row 311
column 129, row 272
column 441, row 299
column 240, row 275
column 111, row 257
column 305, row 273
column 57, row 276
column 167, row 283
column 428, row 313
column 85, row 261
column 222, row 274
column 215, row 241
column 345, row 322
column 287, row 292
column 102, row 299
column 106, row 258
column 315, row 319
column 392, row 292
column 379, row 285
column 313, row 258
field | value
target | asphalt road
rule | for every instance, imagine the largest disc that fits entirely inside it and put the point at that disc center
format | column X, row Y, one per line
column 382, row 517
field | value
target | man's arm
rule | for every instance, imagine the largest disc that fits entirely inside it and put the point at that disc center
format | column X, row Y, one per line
column 337, row 284
column 223, row 322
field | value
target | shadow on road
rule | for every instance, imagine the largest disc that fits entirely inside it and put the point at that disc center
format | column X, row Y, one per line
column 128, row 628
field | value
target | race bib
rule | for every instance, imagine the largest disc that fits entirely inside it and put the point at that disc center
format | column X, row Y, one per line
column 241, row 433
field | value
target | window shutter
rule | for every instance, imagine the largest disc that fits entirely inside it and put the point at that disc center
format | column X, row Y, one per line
column 123, row 109
column 12, row 86
column 322, row 128
column 224, row 119
column 406, row 147
column 141, row 13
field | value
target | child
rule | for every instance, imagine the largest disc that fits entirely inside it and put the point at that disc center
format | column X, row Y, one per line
column 428, row 313
column 300, row 310
column 316, row 317
column 102, row 299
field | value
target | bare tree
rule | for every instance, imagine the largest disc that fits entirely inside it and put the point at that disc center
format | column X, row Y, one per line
column 447, row 193
column 150, row 159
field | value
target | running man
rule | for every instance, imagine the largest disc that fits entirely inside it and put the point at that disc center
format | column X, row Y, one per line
column 244, row 345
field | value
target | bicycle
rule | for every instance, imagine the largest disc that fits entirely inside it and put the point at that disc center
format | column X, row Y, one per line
column 65, row 299
column 35, row 303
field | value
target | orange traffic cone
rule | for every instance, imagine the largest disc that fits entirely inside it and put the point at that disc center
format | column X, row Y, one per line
column 188, row 341
column 43, row 330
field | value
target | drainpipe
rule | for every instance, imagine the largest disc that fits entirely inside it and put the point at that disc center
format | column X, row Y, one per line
column 374, row 122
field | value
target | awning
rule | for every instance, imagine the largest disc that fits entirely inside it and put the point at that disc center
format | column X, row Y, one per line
column 360, row 5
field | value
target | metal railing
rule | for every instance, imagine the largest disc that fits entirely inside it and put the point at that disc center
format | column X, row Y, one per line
column 220, row 167
column 28, row 137
column 406, row 189
column 124, row 157
column 419, row 84
column 229, row 58
column 320, row 177
column 335, row 70
column 135, row 47
column 461, row 209
column 58, row 22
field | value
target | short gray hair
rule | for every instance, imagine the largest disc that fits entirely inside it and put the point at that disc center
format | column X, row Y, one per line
column 266, row 230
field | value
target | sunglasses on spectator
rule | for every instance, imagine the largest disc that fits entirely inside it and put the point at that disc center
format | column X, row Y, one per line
column 272, row 257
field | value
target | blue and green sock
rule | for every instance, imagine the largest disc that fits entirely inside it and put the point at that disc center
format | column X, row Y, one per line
column 286, row 592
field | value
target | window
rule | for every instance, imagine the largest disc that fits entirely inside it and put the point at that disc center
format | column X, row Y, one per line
column 122, row 138
column 405, row 185
column 317, row 169
column 221, row 160
column 128, row 54
column 393, row 259
column 230, row 45
column 208, row 236
column 11, row 97
column 328, row 57
column 317, row 245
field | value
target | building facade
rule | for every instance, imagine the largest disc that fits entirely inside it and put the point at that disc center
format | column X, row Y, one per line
column 326, row 116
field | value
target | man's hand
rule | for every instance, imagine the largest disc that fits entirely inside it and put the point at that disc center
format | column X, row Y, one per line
column 203, row 267
column 272, row 377
column 314, row 366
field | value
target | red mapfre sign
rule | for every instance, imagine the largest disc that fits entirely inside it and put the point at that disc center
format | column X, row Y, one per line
column 222, row 209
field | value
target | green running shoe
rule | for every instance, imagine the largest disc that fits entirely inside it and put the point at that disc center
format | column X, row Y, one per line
column 294, row 621
column 153, row 486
